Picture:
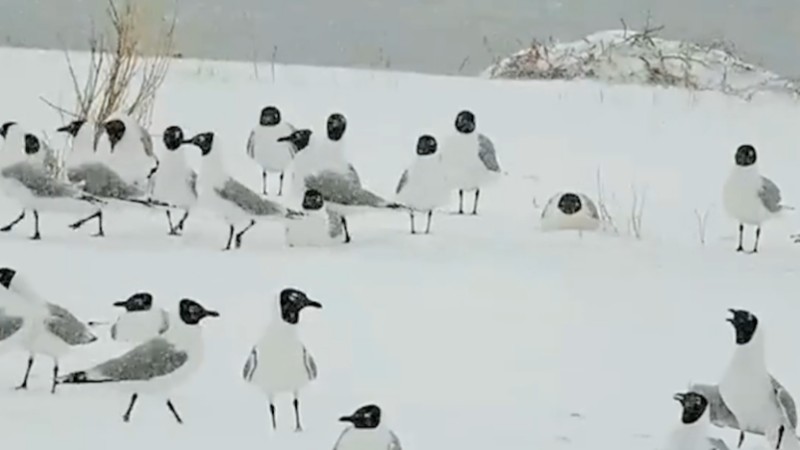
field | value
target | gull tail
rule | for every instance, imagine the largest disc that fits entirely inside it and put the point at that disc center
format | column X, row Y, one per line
column 82, row 377
column 292, row 214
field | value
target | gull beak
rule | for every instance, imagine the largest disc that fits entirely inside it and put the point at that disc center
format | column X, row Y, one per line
column 121, row 304
column 346, row 419
column 679, row 397
column 313, row 304
column 212, row 313
column 63, row 129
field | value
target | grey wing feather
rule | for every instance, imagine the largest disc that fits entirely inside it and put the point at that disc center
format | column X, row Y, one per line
column 9, row 325
column 402, row 182
column 147, row 141
column 719, row 413
column 251, row 144
column 786, row 401
column 154, row 358
column 353, row 174
column 487, row 153
column 164, row 322
column 335, row 227
column 311, row 366
column 98, row 179
column 241, row 196
column 394, row 443
column 547, row 206
column 339, row 188
column 770, row 195
column 250, row 365
column 591, row 207
column 37, row 180
column 66, row 326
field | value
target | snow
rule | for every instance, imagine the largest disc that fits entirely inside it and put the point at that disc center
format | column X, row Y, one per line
column 633, row 57
column 485, row 334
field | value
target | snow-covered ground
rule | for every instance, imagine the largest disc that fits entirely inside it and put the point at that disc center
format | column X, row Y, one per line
column 486, row 333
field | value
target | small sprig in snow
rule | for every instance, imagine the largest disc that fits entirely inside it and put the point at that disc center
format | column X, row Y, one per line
column 629, row 57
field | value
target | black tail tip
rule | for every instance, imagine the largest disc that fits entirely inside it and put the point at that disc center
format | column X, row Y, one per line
column 75, row 377
column 395, row 206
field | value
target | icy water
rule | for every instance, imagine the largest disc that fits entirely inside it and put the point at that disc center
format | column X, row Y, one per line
column 438, row 36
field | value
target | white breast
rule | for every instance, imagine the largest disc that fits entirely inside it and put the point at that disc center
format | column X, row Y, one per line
column 281, row 367
column 270, row 154
column 171, row 180
column 690, row 437
column 364, row 439
column 309, row 231
column 740, row 196
column 464, row 168
column 427, row 187
column 138, row 326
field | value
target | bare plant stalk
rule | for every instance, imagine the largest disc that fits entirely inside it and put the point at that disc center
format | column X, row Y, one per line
column 637, row 212
column 605, row 217
column 702, row 222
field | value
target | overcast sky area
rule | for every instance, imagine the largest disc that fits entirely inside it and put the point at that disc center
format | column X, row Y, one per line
column 435, row 36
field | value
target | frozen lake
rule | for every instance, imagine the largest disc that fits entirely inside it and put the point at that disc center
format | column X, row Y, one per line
column 421, row 35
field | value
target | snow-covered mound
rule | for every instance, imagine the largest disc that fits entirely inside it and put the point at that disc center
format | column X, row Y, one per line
column 625, row 56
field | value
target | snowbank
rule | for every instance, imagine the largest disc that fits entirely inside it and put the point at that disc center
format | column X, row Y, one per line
column 630, row 57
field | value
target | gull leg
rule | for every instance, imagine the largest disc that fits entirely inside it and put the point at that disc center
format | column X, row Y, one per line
column 297, row 426
column 475, row 205
column 172, row 230
column 346, row 232
column 182, row 221
column 412, row 222
column 14, row 222
column 428, row 227
column 36, row 235
column 461, row 201
column 174, row 412
column 55, row 376
column 264, row 182
column 758, row 235
column 241, row 233
column 24, row 384
column 741, row 439
column 83, row 221
column 272, row 413
column 280, row 186
column 780, row 436
column 741, row 234
column 127, row 416
column 100, row 232
column 230, row 239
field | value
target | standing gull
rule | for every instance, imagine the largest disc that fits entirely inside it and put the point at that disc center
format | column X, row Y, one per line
column 279, row 362
column 34, row 184
column 325, row 169
column 692, row 432
column 15, row 150
column 318, row 226
column 367, row 432
column 263, row 145
column 749, row 197
column 423, row 186
column 132, row 154
column 92, row 171
column 229, row 198
column 747, row 388
column 470, row 159
column 175, row 182
column 49, row 329
column 155, row 366
column 722, row 417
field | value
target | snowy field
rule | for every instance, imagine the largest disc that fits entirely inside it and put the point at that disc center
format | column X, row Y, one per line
column 486, row 334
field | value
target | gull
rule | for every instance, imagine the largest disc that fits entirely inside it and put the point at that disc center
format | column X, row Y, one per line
column 223, row 194
column 48, row 329
column 157, row 365
column 367, row 432
column 423, row 186
column 469, row 158
column 264, row 148
column 279, row 362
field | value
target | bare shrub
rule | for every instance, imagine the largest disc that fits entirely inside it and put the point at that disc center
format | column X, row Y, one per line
column 126, row 67
column 638, row 197
column 702, row 224
column 606, row 219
